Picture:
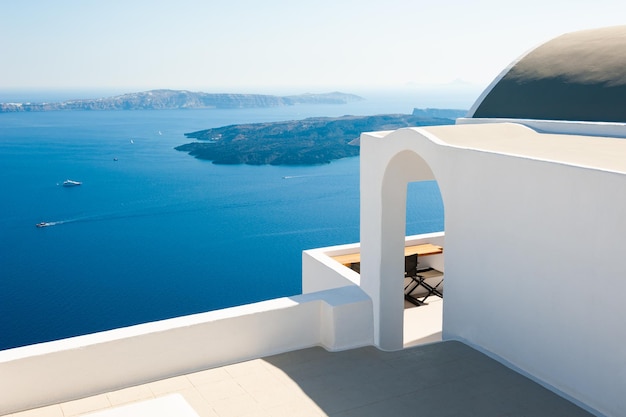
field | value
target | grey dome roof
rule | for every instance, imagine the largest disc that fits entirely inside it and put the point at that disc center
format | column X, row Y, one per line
column 579, row 76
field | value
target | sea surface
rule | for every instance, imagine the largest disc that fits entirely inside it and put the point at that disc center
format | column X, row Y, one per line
column 153, row 233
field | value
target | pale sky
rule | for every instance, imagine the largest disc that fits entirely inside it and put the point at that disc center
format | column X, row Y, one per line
column 250, row 45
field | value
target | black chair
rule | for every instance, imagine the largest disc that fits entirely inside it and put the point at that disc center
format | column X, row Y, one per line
column 413, row 271
column 410, row 271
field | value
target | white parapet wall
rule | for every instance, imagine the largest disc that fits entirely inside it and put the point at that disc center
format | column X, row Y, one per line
column 436, row 238
column 333, row 312
column 321, row 272
column 53, row 372
column 609, row 129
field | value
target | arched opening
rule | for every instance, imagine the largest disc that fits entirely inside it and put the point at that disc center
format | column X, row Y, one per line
column 383, row 238
column 424, row 208
column 423, row 303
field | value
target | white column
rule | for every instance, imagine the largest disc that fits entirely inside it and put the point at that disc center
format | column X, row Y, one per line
column 371, row 176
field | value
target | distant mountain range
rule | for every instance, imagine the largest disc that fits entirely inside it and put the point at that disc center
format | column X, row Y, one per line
column 314, row 140
column 181, row 99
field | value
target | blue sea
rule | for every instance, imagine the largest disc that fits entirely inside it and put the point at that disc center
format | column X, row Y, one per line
column 153, row 233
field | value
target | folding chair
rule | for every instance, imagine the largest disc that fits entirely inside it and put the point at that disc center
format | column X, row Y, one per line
column 412, row 271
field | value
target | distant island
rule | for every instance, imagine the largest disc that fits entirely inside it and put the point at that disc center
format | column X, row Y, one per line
column 316, row 140
column 181, row 99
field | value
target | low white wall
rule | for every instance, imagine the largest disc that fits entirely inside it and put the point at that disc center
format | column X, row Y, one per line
column 63, row 370
column 437, row 238
column 320, row 272
column 610, row 129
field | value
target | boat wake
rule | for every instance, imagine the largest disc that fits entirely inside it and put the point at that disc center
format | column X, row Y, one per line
column 145, row 212
column 289, row 177
column 45, row 224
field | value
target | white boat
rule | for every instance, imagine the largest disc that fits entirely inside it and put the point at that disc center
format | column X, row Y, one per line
column 71, row 183
column 43, row 224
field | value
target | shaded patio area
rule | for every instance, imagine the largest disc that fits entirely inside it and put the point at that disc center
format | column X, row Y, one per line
column 441, row 379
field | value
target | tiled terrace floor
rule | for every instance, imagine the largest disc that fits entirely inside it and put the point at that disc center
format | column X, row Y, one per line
column 441, row 379
column 423, row 324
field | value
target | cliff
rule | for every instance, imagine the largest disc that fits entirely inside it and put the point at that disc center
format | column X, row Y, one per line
column 181, row 99
column 299, row 142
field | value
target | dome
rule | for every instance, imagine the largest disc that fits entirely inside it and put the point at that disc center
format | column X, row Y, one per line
column 579, row 76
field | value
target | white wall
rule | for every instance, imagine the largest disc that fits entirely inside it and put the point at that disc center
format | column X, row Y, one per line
column 533, row 261
column 320, row 272
column 541, row 244
column 609, row 129
column 53, row 372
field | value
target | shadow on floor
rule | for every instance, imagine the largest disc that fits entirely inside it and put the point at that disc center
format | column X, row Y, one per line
column 441, row 379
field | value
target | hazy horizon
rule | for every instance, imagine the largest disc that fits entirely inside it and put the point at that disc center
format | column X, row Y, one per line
column 446, row 95
column 276, row 45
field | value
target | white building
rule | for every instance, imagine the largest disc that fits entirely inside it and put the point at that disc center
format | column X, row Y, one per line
column 533, row 183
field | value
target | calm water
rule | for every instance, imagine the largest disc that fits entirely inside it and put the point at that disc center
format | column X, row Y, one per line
column 156, row 233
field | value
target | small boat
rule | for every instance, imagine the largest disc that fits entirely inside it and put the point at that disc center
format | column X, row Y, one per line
column 43, row 224
column 71, row 183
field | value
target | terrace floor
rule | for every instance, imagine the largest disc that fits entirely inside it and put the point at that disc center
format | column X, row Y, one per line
column 435, row 379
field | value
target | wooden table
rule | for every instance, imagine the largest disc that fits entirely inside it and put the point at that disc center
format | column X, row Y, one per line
column 424, row 249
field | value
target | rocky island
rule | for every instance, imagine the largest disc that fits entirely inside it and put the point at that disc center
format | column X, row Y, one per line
column 181, row 99
column 315, row 140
